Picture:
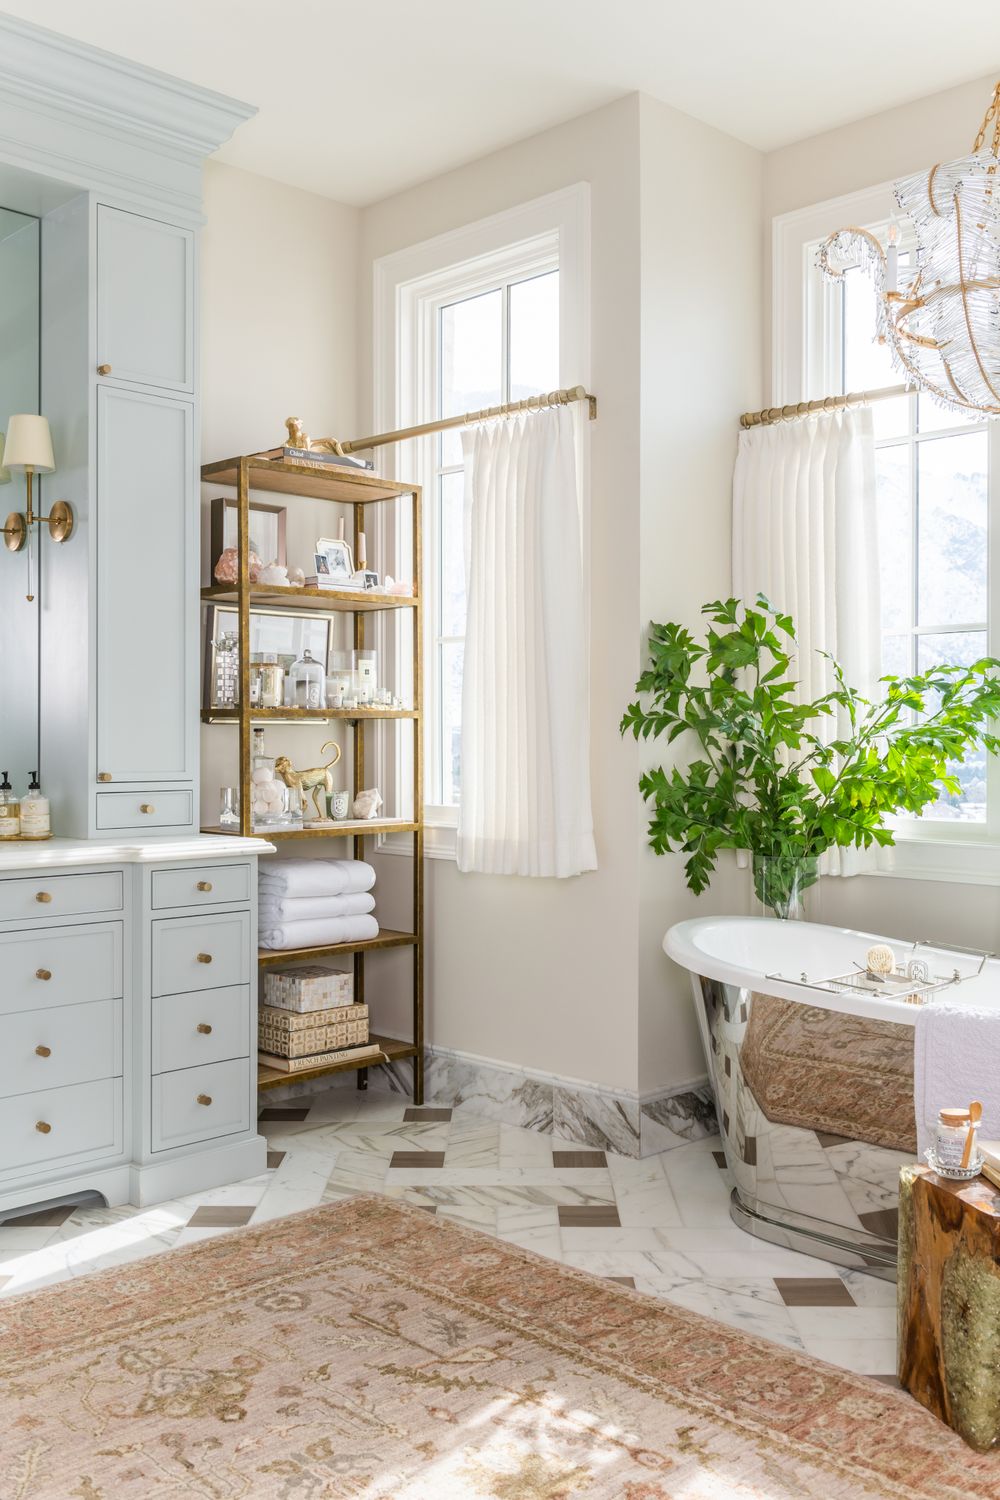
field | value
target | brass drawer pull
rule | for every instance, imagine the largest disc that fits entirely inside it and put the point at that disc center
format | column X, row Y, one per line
column 204, row 1028
column 43, row 973
column 43, row 1127
column 104, row 775
column 104, row 369
column 204, row 1098
column 146, row 807
column 43, row 1051
column 43, row 896
column 204, row 958
column 204, row 885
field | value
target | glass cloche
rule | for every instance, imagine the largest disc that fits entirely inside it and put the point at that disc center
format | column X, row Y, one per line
column 307, row 681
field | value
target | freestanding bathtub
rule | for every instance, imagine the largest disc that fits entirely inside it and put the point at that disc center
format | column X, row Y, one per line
column 811, row 1064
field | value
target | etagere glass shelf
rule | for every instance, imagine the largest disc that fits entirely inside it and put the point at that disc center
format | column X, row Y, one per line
column 358, row 489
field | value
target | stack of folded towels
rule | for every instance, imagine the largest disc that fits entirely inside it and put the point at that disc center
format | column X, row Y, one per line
column 314, row 903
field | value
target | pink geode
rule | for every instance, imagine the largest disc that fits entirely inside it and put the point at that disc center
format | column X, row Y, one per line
column 227, row 569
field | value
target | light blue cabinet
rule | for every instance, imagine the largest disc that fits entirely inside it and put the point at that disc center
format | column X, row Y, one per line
column 145, row 301
column 147, row 660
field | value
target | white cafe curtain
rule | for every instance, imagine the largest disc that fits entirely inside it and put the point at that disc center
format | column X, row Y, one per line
column 805, row 533
column 525, row 800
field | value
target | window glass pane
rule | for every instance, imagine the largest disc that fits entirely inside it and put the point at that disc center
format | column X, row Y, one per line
column 952, row 540
column 897, row 655
column 933, row 417
column 958, row 648
column 452, row 570
column 895, row 535
column 534, row 336
column 471, row 362
column 451, row 656
column 867, row 363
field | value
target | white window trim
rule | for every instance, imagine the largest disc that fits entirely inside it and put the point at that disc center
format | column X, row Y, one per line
column 801, row 324
column 409, row 287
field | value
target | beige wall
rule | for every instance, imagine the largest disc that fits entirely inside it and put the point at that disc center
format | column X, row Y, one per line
column 279, row 272
column 543, row 973
column 701, row 239
column 868, row 152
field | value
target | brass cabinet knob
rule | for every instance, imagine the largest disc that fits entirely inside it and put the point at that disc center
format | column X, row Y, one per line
column 43, row 1051
column 146, row 807
column 43, row 896
column 104, row 369
column 43, row 973
column 204, row 1098
column 43, row 1127
column 104, row 775
column 204, row 958
column 204, row 885
column 204, row 1028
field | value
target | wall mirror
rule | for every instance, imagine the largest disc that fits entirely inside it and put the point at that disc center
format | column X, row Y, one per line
column 20, row 374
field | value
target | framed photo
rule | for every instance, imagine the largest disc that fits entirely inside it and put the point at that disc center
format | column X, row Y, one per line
column 285, row 632
column 371, row 579
column 338, row 555
column 267, row 530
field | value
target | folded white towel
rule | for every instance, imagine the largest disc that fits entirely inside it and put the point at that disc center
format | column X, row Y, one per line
column 319, row 934
column 956, row 1058
column 275, row 910
column 315, row 877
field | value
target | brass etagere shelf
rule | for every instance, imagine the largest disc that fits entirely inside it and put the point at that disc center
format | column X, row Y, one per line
column 343, row 487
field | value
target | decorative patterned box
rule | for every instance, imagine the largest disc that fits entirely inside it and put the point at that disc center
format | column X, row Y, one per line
column 314, row 987
column 287, row 1034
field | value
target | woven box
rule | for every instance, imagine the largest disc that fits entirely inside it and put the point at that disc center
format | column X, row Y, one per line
column 314, row 987
column 287, row 1034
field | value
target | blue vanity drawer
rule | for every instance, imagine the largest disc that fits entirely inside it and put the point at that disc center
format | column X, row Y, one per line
column 205, row 1026
column 61, row 1045
column 201, row 885
column 198, row 1104
column 84, row 1120
column 60, row 966
column 24, row 898
column 139, row 809
column 200, row 953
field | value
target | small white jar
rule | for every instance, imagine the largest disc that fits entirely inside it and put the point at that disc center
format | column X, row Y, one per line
column 949, row 1137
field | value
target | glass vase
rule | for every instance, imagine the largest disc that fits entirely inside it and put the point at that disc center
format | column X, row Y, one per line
column 785, row 886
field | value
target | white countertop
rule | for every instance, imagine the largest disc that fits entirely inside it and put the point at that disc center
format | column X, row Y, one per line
column 50, row 853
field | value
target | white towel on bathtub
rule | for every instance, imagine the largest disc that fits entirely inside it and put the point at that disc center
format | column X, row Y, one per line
column 956, row 1058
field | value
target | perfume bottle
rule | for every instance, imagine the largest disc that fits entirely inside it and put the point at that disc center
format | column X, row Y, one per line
column 35, row 822
column 10, row 811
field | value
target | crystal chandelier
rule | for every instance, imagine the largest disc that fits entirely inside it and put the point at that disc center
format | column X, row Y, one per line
column 943, row 329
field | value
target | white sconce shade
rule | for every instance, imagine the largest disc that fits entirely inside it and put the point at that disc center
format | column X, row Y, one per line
column 29, row 445
column 5, row 474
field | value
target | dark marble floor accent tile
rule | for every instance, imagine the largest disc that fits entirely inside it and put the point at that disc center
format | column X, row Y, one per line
column 623, row 1280
column 589, row 1216
column 813, row 1291
column 275, row 1158
column 274, row 1112
column 892, row 1380
column 579, row 1159
column 827, row 1138
column 750, row 1150
column 428, row 1208
column 419, row 1112
column 417, row 1159
column 42, row 1218
column 720, row 1160
column 221, row 1215
column 883, row 1222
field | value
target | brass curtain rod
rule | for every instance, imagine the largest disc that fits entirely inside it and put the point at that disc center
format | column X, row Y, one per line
column 772, row 414
column 531, row 403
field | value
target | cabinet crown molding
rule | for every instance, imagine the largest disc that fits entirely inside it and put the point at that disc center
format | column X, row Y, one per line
column 51, row 71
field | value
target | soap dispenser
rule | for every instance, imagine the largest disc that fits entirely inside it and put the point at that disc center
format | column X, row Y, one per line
column 10, row 812
column 35, row 823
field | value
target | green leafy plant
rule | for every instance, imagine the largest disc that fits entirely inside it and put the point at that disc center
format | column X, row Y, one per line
column 764, row 779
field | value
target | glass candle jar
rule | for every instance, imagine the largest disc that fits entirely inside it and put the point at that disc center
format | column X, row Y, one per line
column 228, row 816
column 271, row 680
column 340, row 682
column 949, row 1136
column 268, row 795
column 365, row 677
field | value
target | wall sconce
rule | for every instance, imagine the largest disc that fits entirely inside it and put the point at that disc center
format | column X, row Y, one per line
column 28, row 448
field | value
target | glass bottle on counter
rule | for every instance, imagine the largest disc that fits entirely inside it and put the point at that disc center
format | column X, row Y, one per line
column 228, row 816
column 10, row 810
column 35, row 820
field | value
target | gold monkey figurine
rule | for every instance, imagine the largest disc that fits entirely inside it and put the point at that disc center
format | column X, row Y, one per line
column 316, row 779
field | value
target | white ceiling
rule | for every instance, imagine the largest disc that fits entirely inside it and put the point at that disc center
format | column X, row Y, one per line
column 360, row 99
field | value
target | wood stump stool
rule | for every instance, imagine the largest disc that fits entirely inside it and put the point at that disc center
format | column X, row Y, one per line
column 949, row 1301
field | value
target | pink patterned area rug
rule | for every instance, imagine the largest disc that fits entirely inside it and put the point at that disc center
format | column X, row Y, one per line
column 365, row 1349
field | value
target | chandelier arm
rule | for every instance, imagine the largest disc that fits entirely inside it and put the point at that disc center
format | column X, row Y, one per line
column 991, row 117
column 854, row 231
column 965, row 293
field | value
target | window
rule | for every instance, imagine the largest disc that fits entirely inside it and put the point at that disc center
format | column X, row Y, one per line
column 496, row 346
column 493, row 312
column 938, row 478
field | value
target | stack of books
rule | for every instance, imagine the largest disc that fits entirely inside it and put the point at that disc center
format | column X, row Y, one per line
column 991, row 1161
column 308, row 1020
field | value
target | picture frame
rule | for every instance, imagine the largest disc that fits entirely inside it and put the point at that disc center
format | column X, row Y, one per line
column 338, row 555
column 286, row 632
column 267, row 530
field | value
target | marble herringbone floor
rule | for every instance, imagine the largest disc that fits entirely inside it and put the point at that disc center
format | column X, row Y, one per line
column 661, row 1223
